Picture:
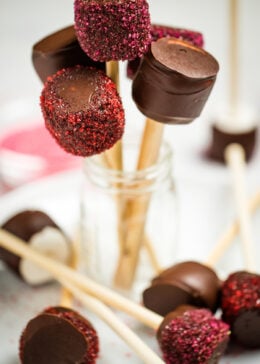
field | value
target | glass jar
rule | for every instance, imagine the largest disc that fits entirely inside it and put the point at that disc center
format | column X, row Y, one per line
column 128, row 220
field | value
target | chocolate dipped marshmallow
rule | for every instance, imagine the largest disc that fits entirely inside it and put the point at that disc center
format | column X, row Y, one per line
column 184, row 283
column 39, row 231
column 174, row 81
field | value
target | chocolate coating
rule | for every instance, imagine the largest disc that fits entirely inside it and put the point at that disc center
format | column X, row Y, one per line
column 82, row 110
column 160, row 31
column 60, row 50
column 189, row 283
column 221, row 139
column 59, row 336
column 174, row 81
column 24, row 225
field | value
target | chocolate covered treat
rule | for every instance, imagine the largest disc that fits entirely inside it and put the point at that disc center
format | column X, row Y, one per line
column 57, row 336
column 60, row 50
column 82, row 110
column 184, row 283
column 222, row 137
column 161, row 31
column 240, row 304
column 174, row 81
column 191, row 335
column 43, row 234
column 112, row 30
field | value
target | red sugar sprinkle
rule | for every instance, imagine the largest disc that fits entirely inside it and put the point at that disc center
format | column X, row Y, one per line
column 240, row 303
column 90, row 118
column 112, row 30
column 240, row 292
column 194, row 337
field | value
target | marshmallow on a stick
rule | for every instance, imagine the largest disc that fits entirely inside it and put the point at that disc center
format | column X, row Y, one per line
column 112, row 30
column 82, row 110
column 192, row 282
column 42, row 233
column 172, row 86
column 184, row 283
column 161, row 31
column 234, row 140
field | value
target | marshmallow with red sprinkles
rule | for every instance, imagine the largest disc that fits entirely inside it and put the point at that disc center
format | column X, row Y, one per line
column 240, row 304
column 161, row 31
column 112, row 30
column 82, row 110
column 59, row 335
column 192, row 336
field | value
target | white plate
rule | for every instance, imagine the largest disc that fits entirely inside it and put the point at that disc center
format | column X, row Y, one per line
column 59, row 196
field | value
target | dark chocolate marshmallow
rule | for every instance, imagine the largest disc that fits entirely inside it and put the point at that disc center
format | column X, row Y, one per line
column 174, row 81
column 221, row 139
column 188, row 283
column 24, row 225
column 58, row 336
column 60, row 50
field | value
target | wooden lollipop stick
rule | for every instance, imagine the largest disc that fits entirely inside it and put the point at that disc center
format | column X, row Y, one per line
column 111, row 298
column 235, row 158
column 114, row 156
column 137, row 209
column 66, row 296
column 230, row 233
column 105, row 314
column 59, row 270
column 233, row 47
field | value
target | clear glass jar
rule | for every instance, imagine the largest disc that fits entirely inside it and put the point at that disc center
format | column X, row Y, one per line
column 128, row 220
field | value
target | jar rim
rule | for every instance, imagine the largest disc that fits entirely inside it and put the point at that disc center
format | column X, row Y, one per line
column 98, row 164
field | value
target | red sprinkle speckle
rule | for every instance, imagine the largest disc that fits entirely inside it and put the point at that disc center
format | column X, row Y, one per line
column 194, row 337
column 241, row 291
column 113, row 30
column 85, row 122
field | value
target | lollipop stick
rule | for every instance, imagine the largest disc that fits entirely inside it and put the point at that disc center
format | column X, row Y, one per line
column 66, row 296
column 235, row 158
column 105, row 314
column 233, row 47
column 230, row 233
column 114, row 156
column 137, row 209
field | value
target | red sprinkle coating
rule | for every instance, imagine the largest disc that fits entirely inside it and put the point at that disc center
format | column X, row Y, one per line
column 162, row 31
column 240, row 292
column 112, row 30
column 194, row 337
column 87, row 124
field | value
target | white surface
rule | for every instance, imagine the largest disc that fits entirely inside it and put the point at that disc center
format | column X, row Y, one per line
column 58, row 196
